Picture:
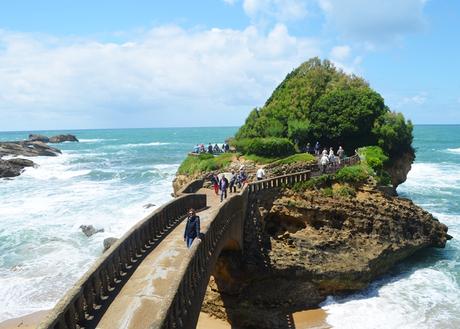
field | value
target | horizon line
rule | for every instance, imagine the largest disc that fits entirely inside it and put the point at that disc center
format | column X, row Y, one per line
column 177, row 127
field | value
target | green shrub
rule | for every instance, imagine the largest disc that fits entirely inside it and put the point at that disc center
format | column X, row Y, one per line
column 376, row 159
column 373, row 156
column 265, row 147
column 327, row 192
column 345, row 191
column 319, row 102
column 314, row 183
column 393, row 133
column 204, row 163
column 353, row 174
column 301, row 157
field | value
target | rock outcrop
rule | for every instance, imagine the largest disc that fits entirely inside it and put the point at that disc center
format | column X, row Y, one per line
column 38, row 138
column 27, row 148
column 63, row 138
column 90, row 230
column 54, row 139
column 14, row 167
column 301, row 247
column 400, row 167
column 108, row 242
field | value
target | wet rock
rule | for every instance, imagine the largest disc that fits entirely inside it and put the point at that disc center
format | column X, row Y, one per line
column 109, row 242
column 90, row 230
column 63, row 138
column 14, row 167
column 27, row 148
column 38, row 138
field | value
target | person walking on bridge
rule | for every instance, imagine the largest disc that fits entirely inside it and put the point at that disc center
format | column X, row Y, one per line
column 260, row 173
column 192, row 228
column 223, row 185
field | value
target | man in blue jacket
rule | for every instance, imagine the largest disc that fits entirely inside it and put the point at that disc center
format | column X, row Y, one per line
column 192, row 228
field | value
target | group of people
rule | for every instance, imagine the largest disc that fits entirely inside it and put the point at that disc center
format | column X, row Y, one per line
column 222, row 184
column 200, row 148
column 331, row 159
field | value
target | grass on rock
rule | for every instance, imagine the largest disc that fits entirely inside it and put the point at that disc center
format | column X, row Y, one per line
column 204, row 163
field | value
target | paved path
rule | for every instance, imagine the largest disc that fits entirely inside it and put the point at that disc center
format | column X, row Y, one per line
column 155, row 278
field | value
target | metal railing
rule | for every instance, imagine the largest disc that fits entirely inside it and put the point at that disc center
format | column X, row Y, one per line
column 290, row 179
column 90, row 294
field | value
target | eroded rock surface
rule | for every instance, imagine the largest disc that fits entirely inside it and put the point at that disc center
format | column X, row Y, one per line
column 400, row 167
column 301, row 247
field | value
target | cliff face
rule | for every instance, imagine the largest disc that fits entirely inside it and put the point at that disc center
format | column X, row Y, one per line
column 400, row 167
column 302, row 247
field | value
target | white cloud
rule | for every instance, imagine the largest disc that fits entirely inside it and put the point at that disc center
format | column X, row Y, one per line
column 165, row 76
column 340, row 53
column 374, row 21
column 417, row 100
column 261, row 11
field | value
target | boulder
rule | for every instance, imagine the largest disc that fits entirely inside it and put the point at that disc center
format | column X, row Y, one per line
column 149, row 205
column 27, row 148
column 89, row 230
column 109, row 242
column 14, row 167
column 38, row 138
column 63, row 138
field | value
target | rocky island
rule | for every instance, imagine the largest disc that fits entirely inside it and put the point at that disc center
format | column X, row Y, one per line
column 333, row 234
column 34, row 146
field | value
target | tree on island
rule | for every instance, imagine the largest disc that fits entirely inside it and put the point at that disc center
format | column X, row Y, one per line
column 318, row 102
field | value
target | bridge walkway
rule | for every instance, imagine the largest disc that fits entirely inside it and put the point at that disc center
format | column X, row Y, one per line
column 156, row 277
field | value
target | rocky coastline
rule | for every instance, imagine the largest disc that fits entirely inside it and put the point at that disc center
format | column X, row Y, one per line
column 307, row 245
column 34, row 146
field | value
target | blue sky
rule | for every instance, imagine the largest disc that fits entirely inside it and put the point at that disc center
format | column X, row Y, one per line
column 112, row 64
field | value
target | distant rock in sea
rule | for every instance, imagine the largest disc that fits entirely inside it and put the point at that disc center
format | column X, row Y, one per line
column 54, row 139
column 38, row 138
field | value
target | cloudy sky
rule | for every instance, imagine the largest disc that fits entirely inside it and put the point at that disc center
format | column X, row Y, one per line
column 112, row 64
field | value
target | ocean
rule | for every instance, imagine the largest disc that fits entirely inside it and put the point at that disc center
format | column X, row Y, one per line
column 107, row 178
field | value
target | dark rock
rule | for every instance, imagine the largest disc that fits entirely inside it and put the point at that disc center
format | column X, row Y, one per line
column 109, row 242
column 27, row 148
column 63, row 138
column 38, row 138
column 89, row 230
column 14, row 167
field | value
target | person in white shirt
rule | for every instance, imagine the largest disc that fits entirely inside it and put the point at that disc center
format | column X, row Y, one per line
column 260, row 174
column 324, row 162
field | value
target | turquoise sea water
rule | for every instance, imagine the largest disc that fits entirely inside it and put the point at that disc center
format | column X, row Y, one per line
column 107, row 178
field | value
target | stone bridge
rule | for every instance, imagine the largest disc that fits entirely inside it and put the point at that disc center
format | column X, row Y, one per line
column 149, row 278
